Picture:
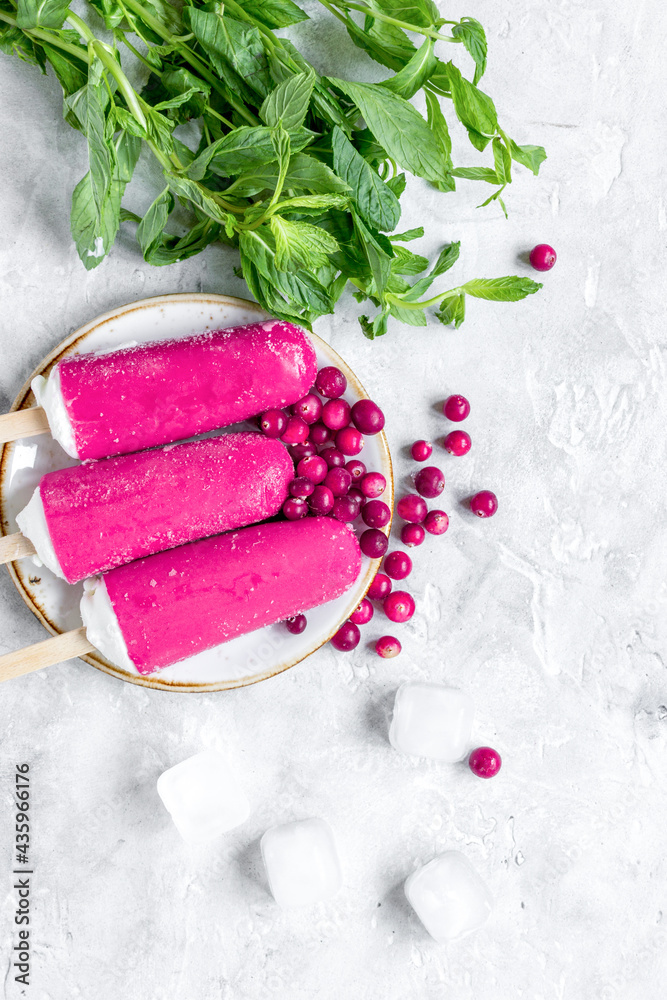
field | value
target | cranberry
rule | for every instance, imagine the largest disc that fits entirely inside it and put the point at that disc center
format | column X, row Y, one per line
column 436, row 522
column 320, row 433
column 456, row 408
column 273, row 423
column 357, row 496
column 387, row 647
column 350, row 441
column 457, row 443
column 412, row 534
column 345, row 509
column 412, row 508
column 376, row 514
column 338, row 480
column 399, row 606
column 543, row 257
column 295, row 508
column 356, row 468
column 367, row 417
column 372, row 485
column 336, row 414
column 362, row 614
column 299, row 451
column 321, row 500
column 398, row 565
column 485, row 762
column 308, row 408
column 314, row 467
column 430, row 482
column 421, row 450
column 380, row 587
column 301, row 487
column 330, row 382
column 333, row 457
column 296, row 624
column 484, row 503
column 373, row 543
column 346, row 638
column 296, row 431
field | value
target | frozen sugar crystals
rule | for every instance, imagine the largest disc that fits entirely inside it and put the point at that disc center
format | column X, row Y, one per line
column 203, row 797
column 449, row 897
column 431, row 720
column 301, row 862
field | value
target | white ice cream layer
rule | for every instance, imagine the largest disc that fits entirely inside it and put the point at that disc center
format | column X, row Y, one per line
column 32, row 523
column 49, row 396
column 101, row 623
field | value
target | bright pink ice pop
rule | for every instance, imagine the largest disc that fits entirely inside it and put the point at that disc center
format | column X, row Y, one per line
column 174, row 604
column 151, row 394
column 106, row 513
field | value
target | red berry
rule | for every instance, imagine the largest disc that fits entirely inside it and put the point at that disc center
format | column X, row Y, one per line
column 333, row 457
column 457, row 443
column 296, row 431
column 273, row 423
column 345, row 509
column 387, row 647
column 362, row 614
column 484, row 503
column 399, row 606
column 296, row 624
column 398, row 565
column 372, row 485
column 543, row 257
column 295, row 508
column 357, row 496
column 321, row 500
column 350, row 441
column 456, row 408
column 373, row 543
column 436, row 522
column 301, row 487
column 421, row 450
column 356, row 468
column 376, row 514
column 367, row 417
column 309, row 408
column 485, row 762
column 330, row 382
column 299, row 451
column 412, row 508
column 412, row 534
column 314, row 468
column 336, row 414
column 338, row 480
column 430, row 482
column 346, row 638
column 380, row 587
column 320, row 433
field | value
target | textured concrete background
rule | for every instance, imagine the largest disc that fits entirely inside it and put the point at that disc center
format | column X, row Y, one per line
column 552, row 615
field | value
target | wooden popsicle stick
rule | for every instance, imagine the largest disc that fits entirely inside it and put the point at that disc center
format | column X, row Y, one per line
column 23, row 423
column 15, row 547
column 45, row 654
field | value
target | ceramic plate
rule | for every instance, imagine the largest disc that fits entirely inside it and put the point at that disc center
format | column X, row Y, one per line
column 244, row 660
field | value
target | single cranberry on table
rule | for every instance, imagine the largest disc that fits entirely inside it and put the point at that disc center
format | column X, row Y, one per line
column 379, row 588
column 296, row 431
column 373, row 543
column 399, row 606
column 430, row 482
column 346, row 638
column 336, row 414
column 321, row 500
column 421, row 450
column 456, row 408
column 301, row 487
column 338, row 480
column 457, row 443
column 398, row 565
column 372, row 485
column 295, row 508
column 387, row 647
column 299, row 451
column 273, row 423
column 412, row 534
column 376, row 514
column 345, row 509
column 296, row 624
column 320, row 433
column 484, row 503
column 367, row 417
column 436, row 522
column 309, row 408
column 412, row 508
column 333, row 457
column 356, row 468
column 330, row 382
column 485, row 762
column 350, row 441
column 362, row 614
column 543, row 257
column 314, row 467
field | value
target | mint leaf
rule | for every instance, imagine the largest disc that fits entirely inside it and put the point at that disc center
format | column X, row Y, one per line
column 477, row 174
column 447, row 258
column 298, row 244
column 453, row 310
column 528, row 156
column 287, row 105
column 473, row 37
column 377, row 203
column 151, row 227
column 405, row 262
column 231, row 43
column 473, row 107
column 41, row 13
column 415, row 73
column 413, row 317
column 423, row 13
column 275, row 13
column 509, row 289
column 409, row 234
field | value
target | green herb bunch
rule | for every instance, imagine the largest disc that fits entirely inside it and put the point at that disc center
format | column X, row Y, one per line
column 303, row 173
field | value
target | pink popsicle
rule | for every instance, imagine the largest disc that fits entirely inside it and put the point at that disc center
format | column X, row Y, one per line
column 174, row 604
column 138, row 397
column 106, row 513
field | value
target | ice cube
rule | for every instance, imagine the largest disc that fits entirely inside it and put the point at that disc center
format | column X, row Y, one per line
column 301, row 862
column 449, row 897
column 203, row 797
column 431, row 720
